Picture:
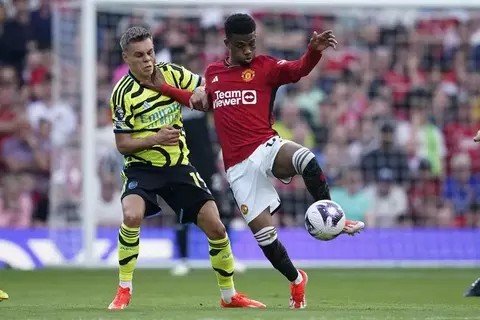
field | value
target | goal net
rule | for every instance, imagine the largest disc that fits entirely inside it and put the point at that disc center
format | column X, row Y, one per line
column 390, row 114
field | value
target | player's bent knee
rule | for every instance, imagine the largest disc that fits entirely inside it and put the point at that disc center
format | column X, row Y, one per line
column 213, row 229
column 266, row 236
column 216, row 232
column 208, row 220
column 133, row 210
column 131, row 218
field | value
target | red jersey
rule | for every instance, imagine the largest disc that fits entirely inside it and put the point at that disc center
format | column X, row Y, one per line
column 242, row 97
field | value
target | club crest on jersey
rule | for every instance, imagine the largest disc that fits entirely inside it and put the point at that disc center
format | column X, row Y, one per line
column 119, row 112
column 248, row 75
column 244, row 209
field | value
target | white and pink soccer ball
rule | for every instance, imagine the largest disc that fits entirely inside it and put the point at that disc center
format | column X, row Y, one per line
column 324, row 220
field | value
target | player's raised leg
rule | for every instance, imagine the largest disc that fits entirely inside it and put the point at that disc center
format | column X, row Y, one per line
column 128, row 247
column 3, row 295
column 221, row 258
column 293, row 159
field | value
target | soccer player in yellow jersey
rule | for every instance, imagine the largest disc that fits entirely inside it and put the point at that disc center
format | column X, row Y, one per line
column 149, row 133
column 3, row 295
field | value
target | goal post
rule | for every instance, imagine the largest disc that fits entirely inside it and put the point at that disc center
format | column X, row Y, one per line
column 89, row 120
column 85, row 37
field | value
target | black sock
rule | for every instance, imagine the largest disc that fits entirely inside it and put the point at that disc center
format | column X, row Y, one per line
column 182, row 241
column 278, row 257
column 316, row 181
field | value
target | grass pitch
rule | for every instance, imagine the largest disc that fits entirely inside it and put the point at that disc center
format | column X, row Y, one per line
column 332, row 294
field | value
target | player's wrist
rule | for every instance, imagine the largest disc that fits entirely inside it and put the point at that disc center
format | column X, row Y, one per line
column 312, row 49
column 151, row 141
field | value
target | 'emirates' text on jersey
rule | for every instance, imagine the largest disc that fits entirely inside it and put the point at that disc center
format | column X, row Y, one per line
column 141, row 112
column 242, row 100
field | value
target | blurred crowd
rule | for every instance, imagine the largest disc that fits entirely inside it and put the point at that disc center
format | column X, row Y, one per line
column 390, row 115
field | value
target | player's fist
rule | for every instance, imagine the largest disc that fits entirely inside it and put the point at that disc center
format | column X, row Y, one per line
column 477, row 137
column 199, row 99
column 323, row 40
column 167, row 136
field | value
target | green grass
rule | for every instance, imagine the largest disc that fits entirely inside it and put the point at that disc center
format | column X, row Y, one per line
column 332, row 294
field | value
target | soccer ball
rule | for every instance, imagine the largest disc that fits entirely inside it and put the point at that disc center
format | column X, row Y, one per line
column 324, row 220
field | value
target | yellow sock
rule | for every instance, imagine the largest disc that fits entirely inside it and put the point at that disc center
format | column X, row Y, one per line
column 222, row 261
column 128, row 248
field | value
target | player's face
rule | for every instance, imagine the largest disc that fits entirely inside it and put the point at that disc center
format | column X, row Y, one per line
column 140, row 57
column 241, row 48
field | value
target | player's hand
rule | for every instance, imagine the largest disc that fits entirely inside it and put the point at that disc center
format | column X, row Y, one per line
column 155, row 81
column 323, row 40
column 199, row 99
column 477, row 137
column 167, row 136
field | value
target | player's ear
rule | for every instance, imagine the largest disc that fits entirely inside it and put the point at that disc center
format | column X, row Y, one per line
column 124, row 56
column 226, row 42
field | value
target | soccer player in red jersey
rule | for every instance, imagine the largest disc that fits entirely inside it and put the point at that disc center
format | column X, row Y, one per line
column 240, row 90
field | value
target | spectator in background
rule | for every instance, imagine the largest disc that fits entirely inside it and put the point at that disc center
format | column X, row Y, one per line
column 3, row 18
column 16, row 206
column 61, row 115
column 309, row 98
column 41, row 184
column 389, row 201
column 352, row 195
column 36, row 68
column 427, row 208
column 427, row 141
column 41, row 24
column 386, row 156
column 9, row 121
column 462, row 191
column 108, row 208
column 16, row 36
column 26, row 152
column 291, row 126
column 458, row 135
column 364, row 142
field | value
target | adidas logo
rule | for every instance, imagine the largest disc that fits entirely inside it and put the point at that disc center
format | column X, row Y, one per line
column 215, row 79
column 146, row 105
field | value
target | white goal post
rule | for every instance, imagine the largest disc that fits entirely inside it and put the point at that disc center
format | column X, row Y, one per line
column 89, row 9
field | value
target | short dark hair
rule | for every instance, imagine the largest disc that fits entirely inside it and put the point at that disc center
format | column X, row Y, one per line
column 239, row 23
column 134, row 34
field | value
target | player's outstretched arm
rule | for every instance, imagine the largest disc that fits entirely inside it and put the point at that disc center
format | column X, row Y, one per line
column 477, row 137
column 196, row 99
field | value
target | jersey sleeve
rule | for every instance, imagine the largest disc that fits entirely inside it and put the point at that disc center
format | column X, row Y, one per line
column 208, row 72
column 122, row 116
column 284, row 71
column 184, row 78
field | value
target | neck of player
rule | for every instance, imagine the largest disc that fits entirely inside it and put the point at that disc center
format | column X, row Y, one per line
column 141, row 78
column 233, row 63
